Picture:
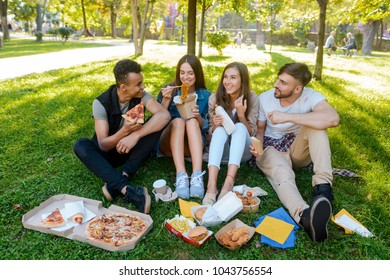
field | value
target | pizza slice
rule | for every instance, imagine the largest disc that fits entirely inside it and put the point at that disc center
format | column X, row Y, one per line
column 135, row 114
column 55, row 219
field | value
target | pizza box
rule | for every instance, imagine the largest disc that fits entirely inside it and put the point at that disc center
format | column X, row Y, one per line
column 222, row 211
column 183, row 234
column 32, row 219
column 232, row 225
column 79, row 232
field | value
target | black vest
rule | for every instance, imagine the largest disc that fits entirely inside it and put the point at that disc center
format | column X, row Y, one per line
column 110, row 102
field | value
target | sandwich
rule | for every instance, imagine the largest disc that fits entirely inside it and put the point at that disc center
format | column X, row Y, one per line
column 198, row 233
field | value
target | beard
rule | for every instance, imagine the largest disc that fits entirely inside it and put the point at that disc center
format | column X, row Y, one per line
column 279, row 95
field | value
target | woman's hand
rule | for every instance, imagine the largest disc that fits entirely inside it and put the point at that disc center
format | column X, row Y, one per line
column 240, row 106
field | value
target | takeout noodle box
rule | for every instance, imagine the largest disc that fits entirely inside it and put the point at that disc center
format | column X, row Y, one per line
column 232, row 225
column 185, row 110
column 32, row 219
column 184, row 234
column 222, row 211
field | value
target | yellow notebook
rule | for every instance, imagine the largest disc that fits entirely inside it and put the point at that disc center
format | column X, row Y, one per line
column 275, row 229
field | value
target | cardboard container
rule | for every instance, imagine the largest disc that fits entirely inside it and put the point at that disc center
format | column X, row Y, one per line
column 185, row 110
column 222, row 211
column 232, row 225
column 257, row 145
column 184, row 235
column 32, row 219
column 252, row 207
column 227, row 121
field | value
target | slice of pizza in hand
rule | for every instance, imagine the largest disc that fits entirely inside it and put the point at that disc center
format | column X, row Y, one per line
column 55, row 219
column 135, row 114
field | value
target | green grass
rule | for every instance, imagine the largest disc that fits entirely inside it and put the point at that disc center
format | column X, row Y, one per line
column 21, row 47
column 42, row 115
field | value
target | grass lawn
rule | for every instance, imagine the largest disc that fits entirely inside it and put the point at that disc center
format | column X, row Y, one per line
column 21, row 47
column 42, row 115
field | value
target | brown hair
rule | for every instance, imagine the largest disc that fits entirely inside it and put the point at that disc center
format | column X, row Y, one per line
column 196, row 65
column 222, row 97
column 299, row 71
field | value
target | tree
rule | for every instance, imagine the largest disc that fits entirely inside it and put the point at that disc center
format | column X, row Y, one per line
column 321, row 34
column 205, row 4
column 4, row 23
column 191, row 22
column 370, row 13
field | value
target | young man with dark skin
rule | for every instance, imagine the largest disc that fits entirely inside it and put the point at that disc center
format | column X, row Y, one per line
column 292, row 125
column 118, row 142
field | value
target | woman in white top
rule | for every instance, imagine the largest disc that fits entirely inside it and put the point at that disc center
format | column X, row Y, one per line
column 235, row 96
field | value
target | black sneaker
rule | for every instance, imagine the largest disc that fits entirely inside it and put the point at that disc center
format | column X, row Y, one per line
column 324, row 189
column 138, row 196
column 315, row 218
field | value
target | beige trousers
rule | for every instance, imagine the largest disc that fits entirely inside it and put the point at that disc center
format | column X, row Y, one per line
column 310, row 145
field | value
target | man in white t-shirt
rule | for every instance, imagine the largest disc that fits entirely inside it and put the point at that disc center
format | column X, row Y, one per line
column 118, row 142
column 292, row 125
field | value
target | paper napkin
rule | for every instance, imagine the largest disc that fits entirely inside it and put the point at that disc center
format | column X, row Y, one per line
column 275, row 229
column 185, row 208
column 350, row 224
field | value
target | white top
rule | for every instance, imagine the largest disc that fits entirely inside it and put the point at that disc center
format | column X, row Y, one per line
column 268, row 103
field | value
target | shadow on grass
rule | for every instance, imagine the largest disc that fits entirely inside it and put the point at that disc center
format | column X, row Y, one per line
column 215, row 58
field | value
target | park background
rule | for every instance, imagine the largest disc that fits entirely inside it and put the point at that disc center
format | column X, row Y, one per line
column 43, row 114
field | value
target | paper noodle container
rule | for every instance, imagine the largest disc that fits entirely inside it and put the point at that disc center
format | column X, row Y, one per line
column 185, row 110
column 257, row 145
column 227, row 121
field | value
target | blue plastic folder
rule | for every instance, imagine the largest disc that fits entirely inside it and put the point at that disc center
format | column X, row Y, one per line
column 280, row 214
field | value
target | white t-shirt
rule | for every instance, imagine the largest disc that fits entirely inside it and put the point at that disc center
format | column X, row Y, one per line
column 304, row 104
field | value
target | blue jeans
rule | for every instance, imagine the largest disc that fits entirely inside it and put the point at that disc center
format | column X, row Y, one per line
column 104, row 164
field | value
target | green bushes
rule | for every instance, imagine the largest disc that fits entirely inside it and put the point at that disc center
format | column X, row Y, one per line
column 218, row 40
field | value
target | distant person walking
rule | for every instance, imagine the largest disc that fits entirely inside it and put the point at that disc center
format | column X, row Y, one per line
column 238, row 40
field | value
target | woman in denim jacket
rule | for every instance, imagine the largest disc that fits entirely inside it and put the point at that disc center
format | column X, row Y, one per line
column 186, row 137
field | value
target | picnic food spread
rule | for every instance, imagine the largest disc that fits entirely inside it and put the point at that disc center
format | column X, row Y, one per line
column 135, row 114
column 200, row 212
column 115, row 228
column 54, row 219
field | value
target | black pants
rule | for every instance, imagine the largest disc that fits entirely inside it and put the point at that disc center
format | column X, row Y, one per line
column 104, row 164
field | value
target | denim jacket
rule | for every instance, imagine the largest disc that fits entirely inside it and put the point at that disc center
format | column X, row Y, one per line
column 202, row 102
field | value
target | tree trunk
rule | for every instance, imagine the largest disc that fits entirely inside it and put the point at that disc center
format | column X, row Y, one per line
column 134, row 8
column 260, row 37
column 113, row 21
column 4, row 23
column 320, row 56
column 144, row 23
column 191, row 22
column 202, row 22
column 370, row 29
column 86, row 31
column 38, row 20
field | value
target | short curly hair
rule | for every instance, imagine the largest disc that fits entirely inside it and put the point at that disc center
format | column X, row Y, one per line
column 123, row 68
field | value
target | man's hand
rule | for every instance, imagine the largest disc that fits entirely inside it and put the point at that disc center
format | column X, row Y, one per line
column 131, row 126
column 126, row 144
column 253, row 151
column 277, row 117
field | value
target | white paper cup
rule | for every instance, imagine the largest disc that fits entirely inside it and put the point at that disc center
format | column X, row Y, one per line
column 160, row 186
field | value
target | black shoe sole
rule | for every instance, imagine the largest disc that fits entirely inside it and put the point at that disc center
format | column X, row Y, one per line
column 320, row 213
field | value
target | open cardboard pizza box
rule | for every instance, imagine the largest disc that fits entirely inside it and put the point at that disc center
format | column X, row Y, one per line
column 73, row 231
column 222, row 211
